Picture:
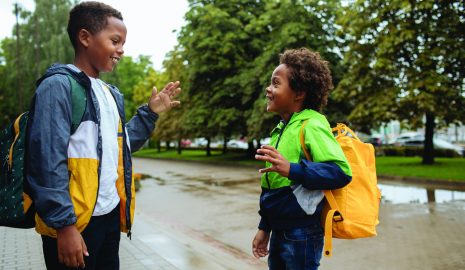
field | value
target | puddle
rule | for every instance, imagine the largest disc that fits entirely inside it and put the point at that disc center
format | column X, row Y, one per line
column 396, row 193
column 392, row 192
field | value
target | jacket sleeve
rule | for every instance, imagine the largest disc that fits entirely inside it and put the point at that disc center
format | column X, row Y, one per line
column 319, row 175
column 264, row 224
column 140, row 127
column 49, row 131
column 329, row 168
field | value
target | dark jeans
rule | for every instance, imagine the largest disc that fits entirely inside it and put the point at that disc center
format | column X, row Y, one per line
column 296, row 249
column 102, row 236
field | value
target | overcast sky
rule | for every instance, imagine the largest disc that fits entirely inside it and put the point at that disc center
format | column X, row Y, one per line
column 150, row 24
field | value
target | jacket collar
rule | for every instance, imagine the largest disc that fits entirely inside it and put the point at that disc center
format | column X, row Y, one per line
column 297, row 116
column 57, row 68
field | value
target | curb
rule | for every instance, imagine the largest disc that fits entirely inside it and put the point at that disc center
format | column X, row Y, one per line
column 424, row 182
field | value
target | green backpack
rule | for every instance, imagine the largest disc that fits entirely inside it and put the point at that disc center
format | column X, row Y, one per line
column 16, row 207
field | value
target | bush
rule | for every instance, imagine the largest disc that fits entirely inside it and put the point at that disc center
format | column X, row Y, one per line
column 412, row 151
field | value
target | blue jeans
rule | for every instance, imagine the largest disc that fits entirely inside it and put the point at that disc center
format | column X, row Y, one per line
column 296, row 249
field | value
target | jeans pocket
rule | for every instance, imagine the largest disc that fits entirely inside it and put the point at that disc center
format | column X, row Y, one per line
column 312, row 232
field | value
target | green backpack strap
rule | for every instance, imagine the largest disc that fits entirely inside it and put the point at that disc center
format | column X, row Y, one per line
column 79, row 102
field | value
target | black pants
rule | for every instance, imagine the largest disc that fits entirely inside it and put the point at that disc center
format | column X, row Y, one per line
column 102, row 236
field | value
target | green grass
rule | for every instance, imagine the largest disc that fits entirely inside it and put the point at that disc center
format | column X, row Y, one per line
column 200, row 155
column 443, row 169
column 450, row 169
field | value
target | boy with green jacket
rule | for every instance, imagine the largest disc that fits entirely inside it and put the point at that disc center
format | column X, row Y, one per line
column 292, row 197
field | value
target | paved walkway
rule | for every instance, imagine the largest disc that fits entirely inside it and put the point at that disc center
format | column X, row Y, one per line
column 153, row 245
column 22, row 250
column 411, row 236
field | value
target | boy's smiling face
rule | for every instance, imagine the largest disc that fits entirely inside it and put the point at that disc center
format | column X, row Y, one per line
column 281, row 99
column 104, row 49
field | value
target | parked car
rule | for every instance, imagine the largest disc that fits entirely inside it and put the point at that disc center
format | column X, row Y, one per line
column 199, row 142
column 186, row 143
column 376, row 140
column 418, row 139
column 237, row 144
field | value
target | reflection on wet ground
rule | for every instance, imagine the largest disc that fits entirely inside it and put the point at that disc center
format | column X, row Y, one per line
column 222, row 204
column 392, row 192
column 402, row 193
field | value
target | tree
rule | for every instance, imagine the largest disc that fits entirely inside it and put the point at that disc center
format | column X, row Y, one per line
column 286, row 25
column 39, row 39
column 217, row 48
column 170, row 126
column 405, row 61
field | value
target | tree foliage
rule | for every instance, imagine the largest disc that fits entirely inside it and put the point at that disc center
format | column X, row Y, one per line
column 217, row 47
column 232, row 48
column 39, row 39
column 287, row 25
column 405, row 61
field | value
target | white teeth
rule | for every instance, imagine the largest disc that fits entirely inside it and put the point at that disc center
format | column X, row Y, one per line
column 115, row 60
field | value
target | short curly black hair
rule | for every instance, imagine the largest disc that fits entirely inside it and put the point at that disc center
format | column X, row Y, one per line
column 91, row 16
column 309, row 73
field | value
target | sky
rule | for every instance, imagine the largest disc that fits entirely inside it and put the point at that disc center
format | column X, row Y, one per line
column 150, row 24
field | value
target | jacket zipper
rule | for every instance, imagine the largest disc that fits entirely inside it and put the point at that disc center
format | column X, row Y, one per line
column 277, row 143
column 124, row 150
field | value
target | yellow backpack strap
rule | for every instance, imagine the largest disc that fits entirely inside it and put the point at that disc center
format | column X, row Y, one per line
column 333, row 214
column 342, row 130
column 302, row 140
column 16, row 129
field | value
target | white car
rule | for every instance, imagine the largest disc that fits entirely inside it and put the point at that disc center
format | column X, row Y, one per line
column 237, row 144
column 417, row 139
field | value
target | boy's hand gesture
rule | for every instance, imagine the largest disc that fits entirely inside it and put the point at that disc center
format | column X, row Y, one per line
column 278, row 163
column 260, row 244
column 71, row 247
column 163, row 101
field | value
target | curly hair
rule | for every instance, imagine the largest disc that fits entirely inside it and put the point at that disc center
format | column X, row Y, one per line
column 91, row 16
column 309, row 73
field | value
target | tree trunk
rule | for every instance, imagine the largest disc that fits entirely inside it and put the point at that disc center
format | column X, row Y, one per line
column 18, row 62
column 428, row 153
column 159, row 146
column 225, row 145
column 250, row 149
column 179, row 146
column 209, row 150
column 259, row 145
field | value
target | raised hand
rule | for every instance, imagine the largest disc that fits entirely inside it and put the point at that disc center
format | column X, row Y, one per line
column 278, row 163
column 163, row 101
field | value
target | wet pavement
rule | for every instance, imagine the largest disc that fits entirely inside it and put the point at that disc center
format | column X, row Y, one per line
column 198, row 216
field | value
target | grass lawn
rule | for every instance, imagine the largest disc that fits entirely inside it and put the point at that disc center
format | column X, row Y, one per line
column 200, row 155
column 444, row 168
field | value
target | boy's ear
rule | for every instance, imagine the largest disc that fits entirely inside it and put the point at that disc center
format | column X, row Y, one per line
column 84, row 37
column 300, row 95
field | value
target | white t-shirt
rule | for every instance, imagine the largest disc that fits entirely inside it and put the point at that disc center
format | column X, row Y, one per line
column 108, row 197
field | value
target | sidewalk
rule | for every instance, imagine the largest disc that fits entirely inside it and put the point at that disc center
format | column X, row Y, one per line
column 410, row 237
column 22, row 250
column 154, row 245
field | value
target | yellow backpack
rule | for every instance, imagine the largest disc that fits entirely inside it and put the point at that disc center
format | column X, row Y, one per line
column 352, row 211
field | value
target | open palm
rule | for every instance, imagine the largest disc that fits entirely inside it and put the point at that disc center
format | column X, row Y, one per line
column 163, row 101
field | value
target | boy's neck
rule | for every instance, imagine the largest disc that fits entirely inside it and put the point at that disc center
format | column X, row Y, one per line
column 286, row 117
column 85, row 67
